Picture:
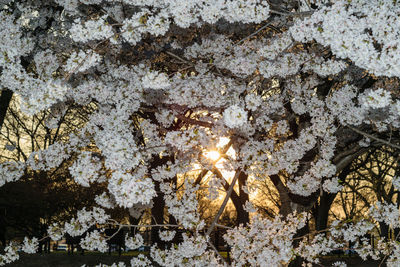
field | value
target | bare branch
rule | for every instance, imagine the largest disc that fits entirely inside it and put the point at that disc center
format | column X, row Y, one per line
column 373, row 137
column 224, row 203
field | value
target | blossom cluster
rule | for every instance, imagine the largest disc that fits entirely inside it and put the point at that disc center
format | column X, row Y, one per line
column 343, row 27
column 86, row 169
column 94, row 240
column 281, row 99
column 11, row 171
column 84, row 220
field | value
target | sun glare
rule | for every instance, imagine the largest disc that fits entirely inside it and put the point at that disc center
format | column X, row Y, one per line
column 212, row 155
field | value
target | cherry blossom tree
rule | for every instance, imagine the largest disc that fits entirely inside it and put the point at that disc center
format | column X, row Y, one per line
column 300, row 89
column 39, row 197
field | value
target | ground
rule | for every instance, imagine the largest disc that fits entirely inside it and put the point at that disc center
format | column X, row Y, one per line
column 351, row 262
column 62, row 259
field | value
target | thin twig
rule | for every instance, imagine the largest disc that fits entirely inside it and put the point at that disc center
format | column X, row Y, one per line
column 178, row 57
column 384, row 258
column 222, row 226
column 114, row 222
column 254, row 33
column 216, row 251
column 294, row 14
column 195, row 122
column 373, row 137
column 278, row 12
column 114, row 234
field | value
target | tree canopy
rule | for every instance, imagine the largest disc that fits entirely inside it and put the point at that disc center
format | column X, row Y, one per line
column 160, row 106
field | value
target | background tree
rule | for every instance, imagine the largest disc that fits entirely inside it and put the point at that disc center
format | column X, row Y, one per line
column 299, row 89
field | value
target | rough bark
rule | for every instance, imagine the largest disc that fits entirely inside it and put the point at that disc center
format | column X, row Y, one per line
column 5, row 99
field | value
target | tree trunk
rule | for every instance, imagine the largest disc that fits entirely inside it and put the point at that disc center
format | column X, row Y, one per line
column 157, row 215
column 384, row 230
column 5, row 99
column 242, row 215
column 321, row 210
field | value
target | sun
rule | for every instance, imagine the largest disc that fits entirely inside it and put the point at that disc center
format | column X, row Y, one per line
column 212, row 155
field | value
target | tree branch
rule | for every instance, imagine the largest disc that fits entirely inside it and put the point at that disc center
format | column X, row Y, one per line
column 373, row 137
column 224, row 203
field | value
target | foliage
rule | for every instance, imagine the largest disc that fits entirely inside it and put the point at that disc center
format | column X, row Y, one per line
column 300, row 90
